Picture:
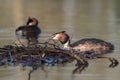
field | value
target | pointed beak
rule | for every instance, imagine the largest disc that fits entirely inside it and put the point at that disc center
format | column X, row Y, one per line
column 51, row 37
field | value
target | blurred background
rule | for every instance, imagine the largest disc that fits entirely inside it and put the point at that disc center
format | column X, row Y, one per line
column 80, row 18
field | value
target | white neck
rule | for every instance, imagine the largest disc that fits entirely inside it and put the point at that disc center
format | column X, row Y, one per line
column 30, row 24
column 67, row 45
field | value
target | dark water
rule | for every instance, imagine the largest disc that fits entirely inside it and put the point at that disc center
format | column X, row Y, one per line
column 80, row 18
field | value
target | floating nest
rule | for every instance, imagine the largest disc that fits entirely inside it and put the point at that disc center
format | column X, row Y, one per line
column 45, row 54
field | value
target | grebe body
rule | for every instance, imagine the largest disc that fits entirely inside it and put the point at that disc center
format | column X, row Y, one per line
column 30, row 31
column 88, row 44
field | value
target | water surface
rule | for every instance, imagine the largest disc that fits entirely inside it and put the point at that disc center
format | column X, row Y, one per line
column 80, row 18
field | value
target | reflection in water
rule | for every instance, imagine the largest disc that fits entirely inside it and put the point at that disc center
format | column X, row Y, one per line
column 81, row 18
column 79, row 69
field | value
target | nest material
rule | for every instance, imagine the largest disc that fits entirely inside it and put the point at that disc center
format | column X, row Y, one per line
column 49, row 54
column 44, row 53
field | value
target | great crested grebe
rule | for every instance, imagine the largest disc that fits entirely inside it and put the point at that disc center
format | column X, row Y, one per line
column 98, row 46
column 30, row 31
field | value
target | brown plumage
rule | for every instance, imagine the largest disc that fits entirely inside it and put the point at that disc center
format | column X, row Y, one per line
column 88, row 44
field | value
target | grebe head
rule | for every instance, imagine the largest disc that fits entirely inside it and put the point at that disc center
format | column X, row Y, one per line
column 32, row 22
column 28, row 30
column 61, row 36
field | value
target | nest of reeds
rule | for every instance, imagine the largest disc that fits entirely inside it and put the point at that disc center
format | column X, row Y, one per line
column 44, row 54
